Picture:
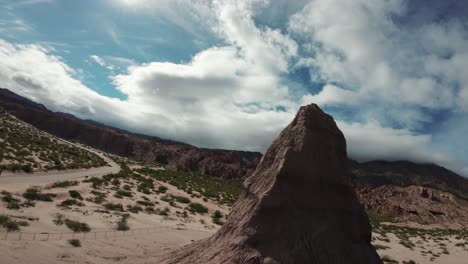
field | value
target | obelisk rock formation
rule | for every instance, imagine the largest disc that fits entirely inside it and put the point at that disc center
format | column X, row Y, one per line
column 297, row 207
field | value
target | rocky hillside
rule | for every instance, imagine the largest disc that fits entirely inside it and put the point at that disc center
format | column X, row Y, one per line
column 150, row 150
column 405, row 173
column 25, row 148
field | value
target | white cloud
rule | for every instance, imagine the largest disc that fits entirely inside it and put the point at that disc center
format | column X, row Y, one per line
column 332, row 95
column 361, row 46
column 235, row 96
column 370, row 141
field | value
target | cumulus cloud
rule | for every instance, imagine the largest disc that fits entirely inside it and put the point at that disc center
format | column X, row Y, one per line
column 236, row 95
column 365, row 47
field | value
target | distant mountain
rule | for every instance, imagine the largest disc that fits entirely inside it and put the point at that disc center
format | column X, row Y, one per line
column 219, row 163
column 150, row 150
column 406, row 173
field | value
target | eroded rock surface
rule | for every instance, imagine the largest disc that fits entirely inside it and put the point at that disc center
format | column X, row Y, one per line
column 297, row 207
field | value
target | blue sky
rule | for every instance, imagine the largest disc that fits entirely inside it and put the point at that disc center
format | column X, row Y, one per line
column 232, row 74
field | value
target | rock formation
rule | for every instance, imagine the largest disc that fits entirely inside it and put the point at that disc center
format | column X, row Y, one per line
column 297, row 207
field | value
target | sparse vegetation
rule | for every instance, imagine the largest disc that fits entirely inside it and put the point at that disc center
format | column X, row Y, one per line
column 35, row 194
column 76, row 226
column 75, row 194
column 114, row 207
column 122, row 225
column 75, row 242
column 197, row 208
column 24, row 148
column 64, row 184
column 70, row 202
column 217, row 217
column 221, row 191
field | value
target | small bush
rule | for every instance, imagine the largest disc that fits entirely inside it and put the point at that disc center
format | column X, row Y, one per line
column 387, row 259
column 76, row 226
column 134, row 209
column 59, row 219
column 35, row 194
column 181, row 199
column 197, row 208
column 114, row 207
column 161, row 189
column 217, row 216
column 71, row 202
column 75, row 194
column 122, row 225
column 64, row 184
column 75, row 242
column 124, row 193
column 8, row 223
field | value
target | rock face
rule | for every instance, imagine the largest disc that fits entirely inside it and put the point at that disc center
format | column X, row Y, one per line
column 297, row 207
column 225, row 164
column 418, row 204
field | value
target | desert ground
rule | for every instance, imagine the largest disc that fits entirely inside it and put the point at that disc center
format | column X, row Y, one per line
column 155, row 208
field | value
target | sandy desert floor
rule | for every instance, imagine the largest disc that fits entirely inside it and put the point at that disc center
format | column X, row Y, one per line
column 132, row 249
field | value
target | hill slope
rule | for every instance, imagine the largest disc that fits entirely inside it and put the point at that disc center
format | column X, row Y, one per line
column 151, row 150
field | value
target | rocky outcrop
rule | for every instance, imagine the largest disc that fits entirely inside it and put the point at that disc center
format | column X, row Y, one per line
column 415, row 204
column 297, row 207
column 150, row 150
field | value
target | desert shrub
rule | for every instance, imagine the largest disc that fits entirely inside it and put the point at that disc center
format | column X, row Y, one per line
column 387, row 259
column 13, row 206
column 225, row 192
column 75, row 194
column 197, row 208
column 145, row 203
column 8, row 223
column 35, row 194
column 71, row 202
column 134, row 209
column 380, row 247
column 64, row 184
column 114, row 207
column 161, row 189
column 97, row 182
column 59, row 219
column 27, row 168
column 75, row 242
column 124, row 193
column 181, row 199
column 163, row 212
column 122, row 225
column 76, row 226
column 216, row 217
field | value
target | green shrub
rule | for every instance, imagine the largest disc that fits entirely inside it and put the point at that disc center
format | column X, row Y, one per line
column 124, row 193
column 59, row 219
column 35, row 194
column 75, row 242
column 114, row 207
column 197, row 208
column 122, row 226
column 75, row 194
column 161, row 189
column 387, row 259
column 181, row 199
column 134, row 209
column 76, row 226
column 64, row 184
column 8, row 223
column 71, row 202
column 217, row 216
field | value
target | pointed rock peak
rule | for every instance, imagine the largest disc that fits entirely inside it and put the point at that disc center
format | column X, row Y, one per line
column 297, row 207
